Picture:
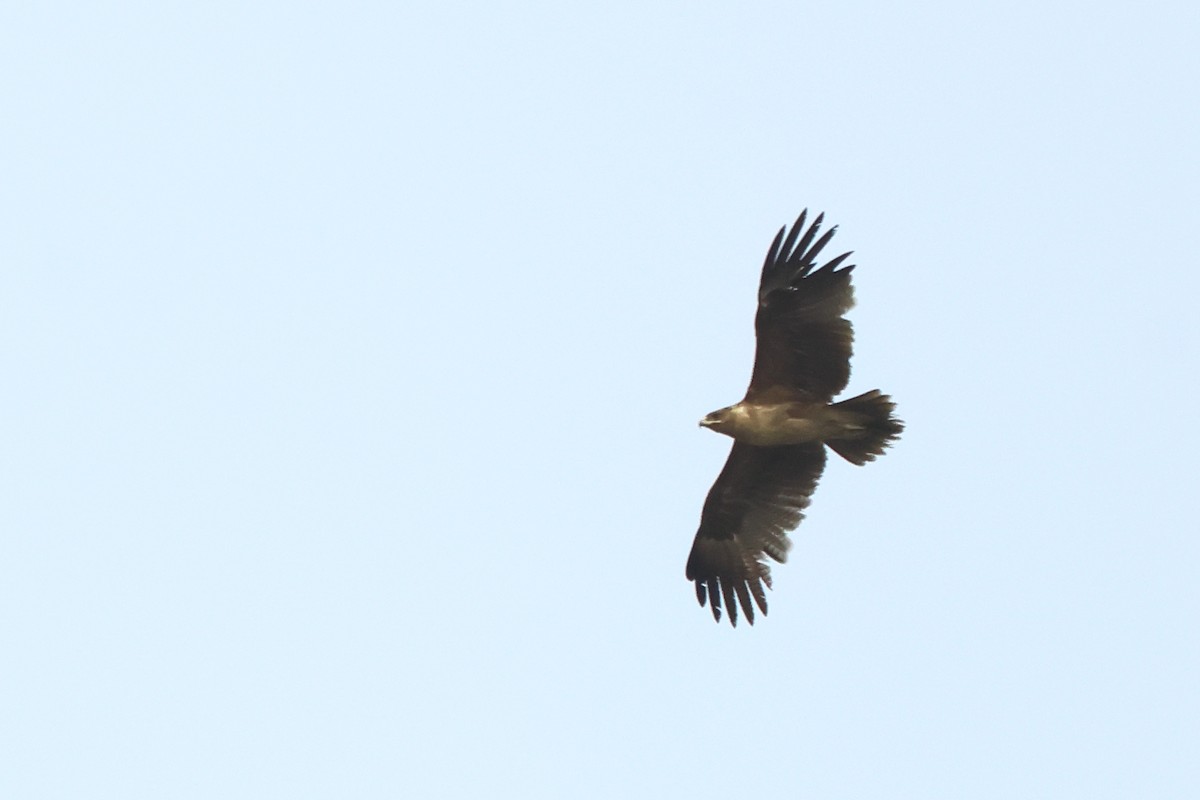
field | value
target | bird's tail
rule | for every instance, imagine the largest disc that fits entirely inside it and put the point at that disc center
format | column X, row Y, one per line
column 869, row 427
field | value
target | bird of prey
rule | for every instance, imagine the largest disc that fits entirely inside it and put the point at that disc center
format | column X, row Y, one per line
column 781, row 428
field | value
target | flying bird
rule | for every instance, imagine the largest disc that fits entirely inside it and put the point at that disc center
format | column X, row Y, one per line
column 781, row 428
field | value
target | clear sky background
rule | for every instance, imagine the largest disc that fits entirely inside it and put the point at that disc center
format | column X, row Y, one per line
column 353, row 354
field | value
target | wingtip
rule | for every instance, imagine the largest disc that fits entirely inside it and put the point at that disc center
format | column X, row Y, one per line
column 732, row 601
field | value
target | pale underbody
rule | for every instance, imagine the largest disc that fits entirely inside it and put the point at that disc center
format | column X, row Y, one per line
column 792, row 422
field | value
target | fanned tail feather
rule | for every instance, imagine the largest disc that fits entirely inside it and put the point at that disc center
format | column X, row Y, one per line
column 872, row 427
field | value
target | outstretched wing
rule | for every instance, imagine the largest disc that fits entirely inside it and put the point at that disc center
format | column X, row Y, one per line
column 804, row 343
column 757, row 499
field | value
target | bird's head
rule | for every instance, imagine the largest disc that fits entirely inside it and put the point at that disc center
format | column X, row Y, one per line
column 717, row 421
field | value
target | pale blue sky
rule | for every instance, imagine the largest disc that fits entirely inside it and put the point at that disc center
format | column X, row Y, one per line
column 353, row 356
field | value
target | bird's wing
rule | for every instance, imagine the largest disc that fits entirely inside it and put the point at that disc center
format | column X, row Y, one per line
column 804, row 342
column 758, row 497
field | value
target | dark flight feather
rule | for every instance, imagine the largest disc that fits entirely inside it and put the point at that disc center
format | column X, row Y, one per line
column 759, row 496
column 804, row 343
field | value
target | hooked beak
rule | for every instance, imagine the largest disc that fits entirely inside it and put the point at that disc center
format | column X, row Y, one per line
column 705, row 423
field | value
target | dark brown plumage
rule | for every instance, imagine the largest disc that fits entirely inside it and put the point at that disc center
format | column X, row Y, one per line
column 782, row 426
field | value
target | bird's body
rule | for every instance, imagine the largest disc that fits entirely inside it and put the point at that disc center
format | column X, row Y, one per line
column 769, row 424
column 782, row 426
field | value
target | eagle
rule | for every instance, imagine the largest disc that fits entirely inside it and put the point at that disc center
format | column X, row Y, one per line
column 781, row 428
